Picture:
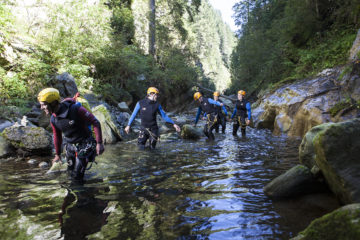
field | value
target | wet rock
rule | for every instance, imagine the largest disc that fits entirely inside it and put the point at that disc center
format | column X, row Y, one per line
column 343, row 223
column 110, row 132
column 32, row 161
column 29, row 140
column 43, row 165
column 296, row 181
column 190, row 132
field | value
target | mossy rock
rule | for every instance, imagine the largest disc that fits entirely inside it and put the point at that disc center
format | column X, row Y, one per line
column 343, row 223
column 337, row 155
column 190, row 132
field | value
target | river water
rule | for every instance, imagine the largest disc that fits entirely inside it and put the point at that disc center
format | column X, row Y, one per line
column 182, row 190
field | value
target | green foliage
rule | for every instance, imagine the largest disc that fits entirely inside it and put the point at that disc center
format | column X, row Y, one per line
column 6, row 20
column 281, row 41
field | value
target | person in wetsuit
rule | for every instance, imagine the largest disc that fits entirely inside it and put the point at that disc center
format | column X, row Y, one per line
column 72, row 120
column 242, row 112
column 148, row 109
column 222, row 113
column 207, row 105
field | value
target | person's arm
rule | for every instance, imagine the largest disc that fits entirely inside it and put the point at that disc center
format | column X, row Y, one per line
column 134, row 113
column 212, row 101
column 248, row 107
column 197, row 115
column 234, row 113
column 164, row 116
column 90, row 119
column 57, row 137
column 167, row 119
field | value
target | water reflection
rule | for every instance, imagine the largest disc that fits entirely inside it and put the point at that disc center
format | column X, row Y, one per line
column 182, row 190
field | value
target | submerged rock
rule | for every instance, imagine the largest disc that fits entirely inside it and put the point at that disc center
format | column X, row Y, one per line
column 190, row 132
column 43, row 165
column 343, row 223
column 57, row 167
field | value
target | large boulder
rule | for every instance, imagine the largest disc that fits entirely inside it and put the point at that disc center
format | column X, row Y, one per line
column 29, row 140
column 343, row 223
column 190, row 132
column 337, row 154
column 5, row 148
column 66, row 85
column 298, row 180
column 110, row 132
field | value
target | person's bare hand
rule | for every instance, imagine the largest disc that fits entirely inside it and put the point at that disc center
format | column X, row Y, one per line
column 56, row 159
column 127, row 129
column 99, row 148
column 178, row 129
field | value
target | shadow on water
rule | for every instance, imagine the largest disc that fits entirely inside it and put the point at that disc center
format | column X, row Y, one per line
column 182, row 190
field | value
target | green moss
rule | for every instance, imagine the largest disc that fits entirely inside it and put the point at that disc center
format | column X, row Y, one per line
column 340, row 106
column 346, row 71
column 336, row 225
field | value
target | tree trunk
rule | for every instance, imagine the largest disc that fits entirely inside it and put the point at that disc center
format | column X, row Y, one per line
column 152, row 27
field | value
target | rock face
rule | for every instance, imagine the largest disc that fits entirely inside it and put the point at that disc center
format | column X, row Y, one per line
column 343, row 223
column 295, row 108
column 110, row 132
column 334, row 149
column 29, row 140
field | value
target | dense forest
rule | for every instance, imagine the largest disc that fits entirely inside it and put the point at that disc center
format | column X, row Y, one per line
column 284, row 40
column 115, row 48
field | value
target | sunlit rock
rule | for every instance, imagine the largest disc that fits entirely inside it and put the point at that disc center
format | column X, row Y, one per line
column 29, row 140
column 343, row 223
column 110, row 132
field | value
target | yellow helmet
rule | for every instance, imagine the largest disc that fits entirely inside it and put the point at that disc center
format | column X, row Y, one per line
column 197, row 95
column 242, row 92
column 216, row 93
column 152, row 90
column 49, row 95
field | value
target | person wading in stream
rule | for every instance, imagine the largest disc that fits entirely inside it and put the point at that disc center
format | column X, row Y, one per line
column 207, row 105
column 221, row 115
column 149, row 108
column 242, row 111
column 72, row 120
